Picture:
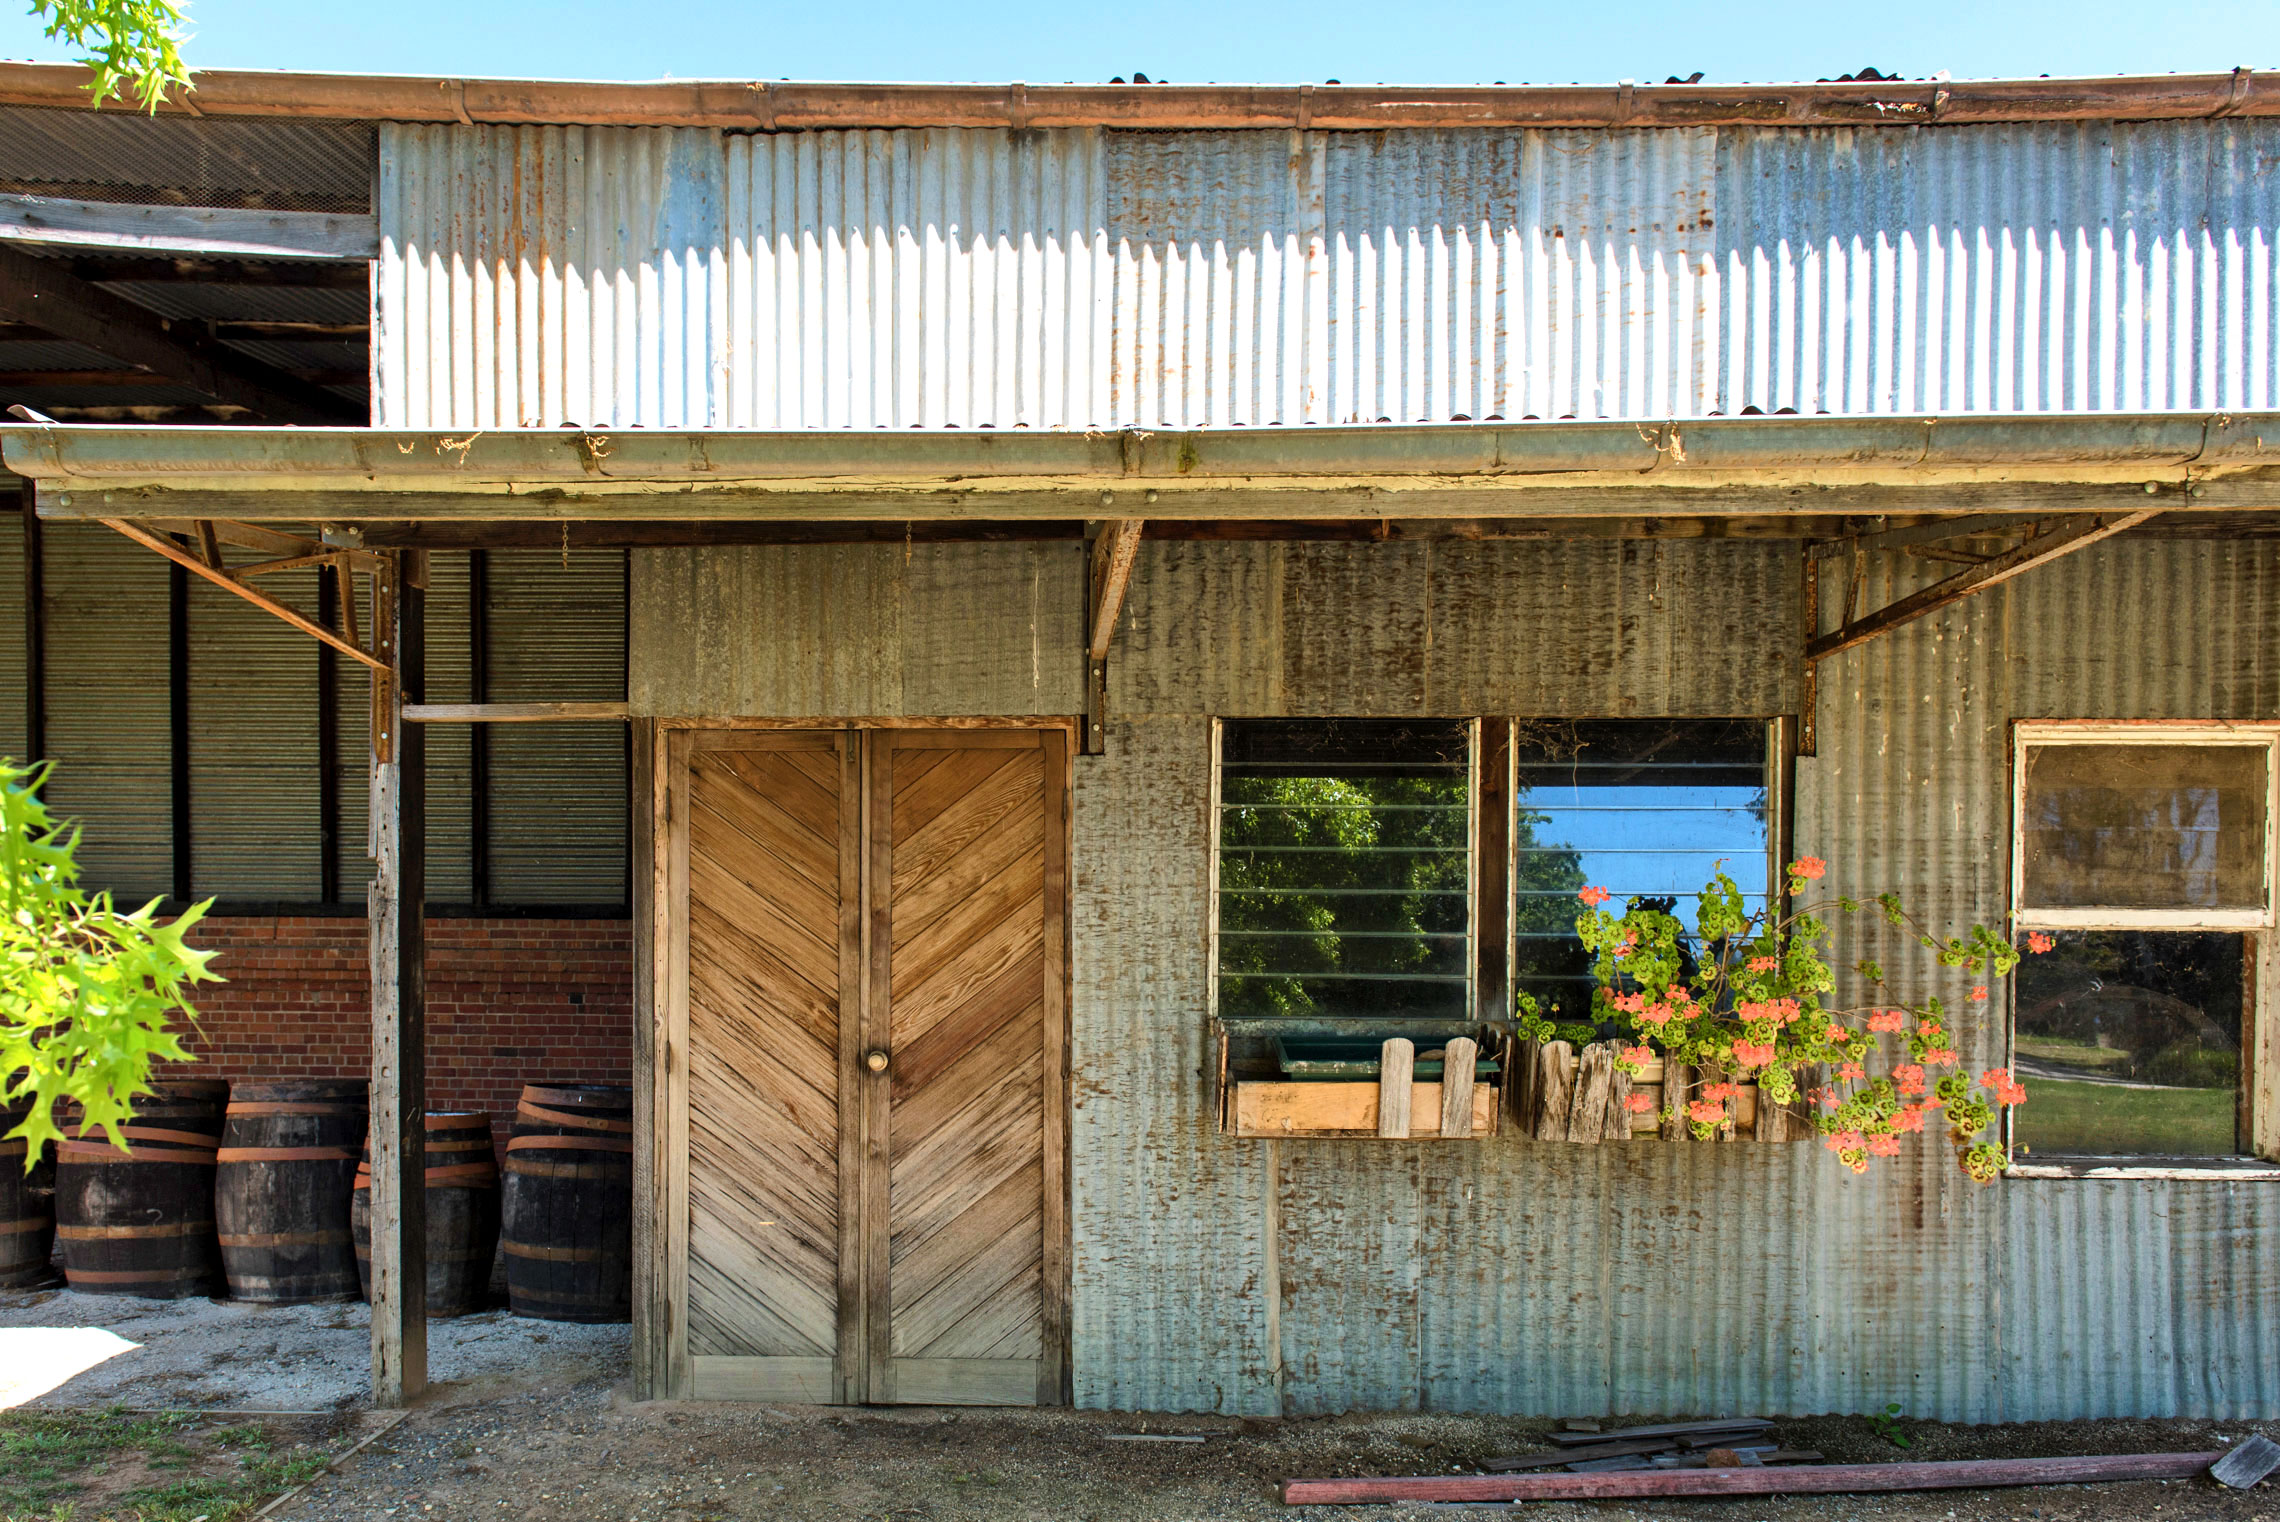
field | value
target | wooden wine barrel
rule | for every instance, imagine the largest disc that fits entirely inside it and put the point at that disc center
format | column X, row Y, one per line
column 27, row 1207
column 287, row 1161
column 568, row 1229
column 462, row 1212
column 142, row 1222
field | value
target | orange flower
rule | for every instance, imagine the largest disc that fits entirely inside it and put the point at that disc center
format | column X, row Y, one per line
column 1808, row 867
column 1836, row 1032
column 1639, row 1104
column 1884, row 1146
column 1887, row 1019
column 1705, row 1112
column 1939, row 1057
column 1765, row 964
column 2038, row 943
column 1595, row 896
column 1851, row 1072
column 1980, row 992
column 1909, row 1119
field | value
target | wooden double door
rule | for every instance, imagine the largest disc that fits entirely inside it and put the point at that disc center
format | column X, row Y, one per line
column 877, row 1109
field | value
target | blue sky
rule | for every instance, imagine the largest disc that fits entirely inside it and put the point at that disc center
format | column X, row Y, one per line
column 1189, row 41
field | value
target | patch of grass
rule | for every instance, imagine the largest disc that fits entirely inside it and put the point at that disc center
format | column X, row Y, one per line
column 2097, row 1118
column 48, row 1459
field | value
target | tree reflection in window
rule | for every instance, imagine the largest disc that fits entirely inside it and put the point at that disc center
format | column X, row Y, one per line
column 1345, row 868
column 2129, row 1043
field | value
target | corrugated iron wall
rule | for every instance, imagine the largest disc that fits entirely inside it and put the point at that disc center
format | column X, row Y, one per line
column 14, row 738
column 109, row 723
column 1212, row 1274
column 1075, row 278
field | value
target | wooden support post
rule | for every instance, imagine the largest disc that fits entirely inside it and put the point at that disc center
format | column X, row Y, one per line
column 397, row 903
column 35, row 634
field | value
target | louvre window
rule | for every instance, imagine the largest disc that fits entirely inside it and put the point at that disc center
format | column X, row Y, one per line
column 1345, row 868
column 1646, row 809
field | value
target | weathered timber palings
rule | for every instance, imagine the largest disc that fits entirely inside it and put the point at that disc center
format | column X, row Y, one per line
column 1583, row 1097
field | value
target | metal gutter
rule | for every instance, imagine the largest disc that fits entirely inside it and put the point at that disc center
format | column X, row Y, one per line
column 2019, row 463
column 773, row 106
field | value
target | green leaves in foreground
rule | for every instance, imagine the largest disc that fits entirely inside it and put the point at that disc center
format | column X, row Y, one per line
column 135, row 43
column 86, row 993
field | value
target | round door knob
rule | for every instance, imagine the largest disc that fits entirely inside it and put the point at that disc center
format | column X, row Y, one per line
column 875, row 1060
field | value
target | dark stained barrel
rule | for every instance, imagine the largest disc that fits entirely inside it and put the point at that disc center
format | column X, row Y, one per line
column 27, row 1207
column 568, row 1229
column 142, row 1222
column 462, row 1213
column 288, row 1160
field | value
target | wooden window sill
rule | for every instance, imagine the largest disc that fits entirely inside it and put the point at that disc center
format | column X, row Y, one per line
column 2212, row 1169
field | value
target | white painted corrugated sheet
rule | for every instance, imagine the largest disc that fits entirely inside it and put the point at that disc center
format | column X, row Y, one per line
column 1088, row 278
column 2045, row 267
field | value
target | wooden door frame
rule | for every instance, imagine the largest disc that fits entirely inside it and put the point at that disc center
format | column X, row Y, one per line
column 662, row 1366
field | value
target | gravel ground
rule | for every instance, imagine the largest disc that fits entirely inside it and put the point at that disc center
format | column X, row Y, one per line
column 533, row 1422
column 227, row 1353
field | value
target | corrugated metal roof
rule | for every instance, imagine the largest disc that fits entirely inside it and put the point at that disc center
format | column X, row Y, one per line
column 1089, row 278
column 125, row 155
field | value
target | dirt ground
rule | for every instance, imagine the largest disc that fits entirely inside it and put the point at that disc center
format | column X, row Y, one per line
column 534, row 1422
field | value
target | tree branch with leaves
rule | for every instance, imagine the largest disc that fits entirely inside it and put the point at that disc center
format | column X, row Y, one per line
column 133, row 47
column 88, row 995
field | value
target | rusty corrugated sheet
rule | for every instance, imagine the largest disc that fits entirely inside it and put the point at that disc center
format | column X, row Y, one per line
column 1084, row 277
column 858, row 630
column 1169, row 1310
column 2056, row 267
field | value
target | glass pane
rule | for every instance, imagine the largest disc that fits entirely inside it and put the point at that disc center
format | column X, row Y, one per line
column 1644, row 808
column 1344, row 868
column 2129, row 1042
column 2144, row 827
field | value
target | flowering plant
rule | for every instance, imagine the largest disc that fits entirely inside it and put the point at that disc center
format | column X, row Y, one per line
column 1744, row 994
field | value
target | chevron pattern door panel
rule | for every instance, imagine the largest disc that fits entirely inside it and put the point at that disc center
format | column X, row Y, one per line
column 771, row 881
column 877, row 1100
column 973, row 878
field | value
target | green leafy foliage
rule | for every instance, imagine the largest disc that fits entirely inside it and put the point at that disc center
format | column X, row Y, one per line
column 1747, row 997
column 133, row 44
column 87, row 993
column 1336, row 892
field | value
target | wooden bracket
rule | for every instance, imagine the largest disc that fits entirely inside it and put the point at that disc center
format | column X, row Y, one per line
column 2063, row 538
column 1113, row 552
column 223, row 578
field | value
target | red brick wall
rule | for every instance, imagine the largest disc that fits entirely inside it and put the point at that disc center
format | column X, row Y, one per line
column 510, row 1002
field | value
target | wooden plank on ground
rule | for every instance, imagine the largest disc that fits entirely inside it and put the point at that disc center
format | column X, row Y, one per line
column 1802, row 1479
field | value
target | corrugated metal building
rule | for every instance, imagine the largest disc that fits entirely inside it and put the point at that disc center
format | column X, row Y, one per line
column 867, row 387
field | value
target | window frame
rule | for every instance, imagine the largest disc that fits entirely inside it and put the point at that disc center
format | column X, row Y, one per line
column 2260, row 1033
column 2028, row 733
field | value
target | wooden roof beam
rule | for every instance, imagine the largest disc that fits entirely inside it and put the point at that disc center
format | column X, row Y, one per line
column 46, row 295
